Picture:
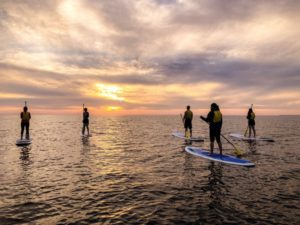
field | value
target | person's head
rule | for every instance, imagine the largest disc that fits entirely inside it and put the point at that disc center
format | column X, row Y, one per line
column 214, row 107
column 25, row 109
column 188, row 107
column 85, row 109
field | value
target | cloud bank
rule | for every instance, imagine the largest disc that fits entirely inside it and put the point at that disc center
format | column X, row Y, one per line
column 150, row 56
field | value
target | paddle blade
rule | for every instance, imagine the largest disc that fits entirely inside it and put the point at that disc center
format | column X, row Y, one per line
column 187, row 134
column 238, row 152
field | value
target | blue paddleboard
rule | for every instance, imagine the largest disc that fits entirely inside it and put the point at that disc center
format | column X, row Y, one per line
column 217, row 157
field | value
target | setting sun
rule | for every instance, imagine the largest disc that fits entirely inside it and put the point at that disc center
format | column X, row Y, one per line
column 113, row 108
column 110, row 92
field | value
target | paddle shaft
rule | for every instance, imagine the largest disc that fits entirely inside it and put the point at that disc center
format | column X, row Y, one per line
column 181, row 118
column 229, row 141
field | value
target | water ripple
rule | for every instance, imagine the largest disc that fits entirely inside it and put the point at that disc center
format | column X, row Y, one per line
column 132, row 171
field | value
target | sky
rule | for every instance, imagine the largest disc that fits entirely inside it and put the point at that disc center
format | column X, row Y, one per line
column 127, row 57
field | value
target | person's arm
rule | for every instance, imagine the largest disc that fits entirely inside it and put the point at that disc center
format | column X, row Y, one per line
column 204, row 119
column 192, row 115
column 21, row 115
column 29, row 116
column 209, row 118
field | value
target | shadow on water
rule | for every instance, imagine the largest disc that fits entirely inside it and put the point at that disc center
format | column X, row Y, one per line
column 24, row 155
column 215, row 187
column 252, row 146
column 85, row 141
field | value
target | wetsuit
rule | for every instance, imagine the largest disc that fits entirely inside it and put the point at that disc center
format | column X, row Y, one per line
column 188, row 117
column 86, row 118
column 214, row 118
column 85, row 122
column 251, row 119
column 25, row 116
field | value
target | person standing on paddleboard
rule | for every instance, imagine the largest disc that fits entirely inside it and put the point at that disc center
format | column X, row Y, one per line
column 251, row 122
column 214, row 118
column 25, row 117
column 187, row 121
column 85, row 121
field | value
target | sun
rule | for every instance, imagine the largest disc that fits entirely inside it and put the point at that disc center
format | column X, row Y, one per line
column 113, row 108
column 110, row 92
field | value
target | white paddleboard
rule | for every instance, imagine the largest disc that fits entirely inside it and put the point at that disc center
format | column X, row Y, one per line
column 182, row 136
column 23, row 142
column 242, row 137
column 228, row 159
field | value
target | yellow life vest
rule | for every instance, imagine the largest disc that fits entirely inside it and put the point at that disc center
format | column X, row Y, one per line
column 188, row 114
column 26, row 116
column 217, row 116
column 252, row 116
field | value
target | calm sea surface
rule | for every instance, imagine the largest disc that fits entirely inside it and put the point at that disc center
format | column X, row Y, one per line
column 132, row 171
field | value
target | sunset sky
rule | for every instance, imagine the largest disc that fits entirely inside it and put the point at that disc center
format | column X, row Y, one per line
column 122, row 57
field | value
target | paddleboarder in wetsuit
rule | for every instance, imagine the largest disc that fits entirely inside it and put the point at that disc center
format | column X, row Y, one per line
column 214, row 118
column 25, row 117
column 85, row 121
column 187, row 120
column 251, row 122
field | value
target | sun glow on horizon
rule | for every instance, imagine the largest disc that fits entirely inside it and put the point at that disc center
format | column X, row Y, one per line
column 113, row 108
column 110, row 92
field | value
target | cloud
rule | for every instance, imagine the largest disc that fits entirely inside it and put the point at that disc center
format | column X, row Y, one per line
column 156, row 50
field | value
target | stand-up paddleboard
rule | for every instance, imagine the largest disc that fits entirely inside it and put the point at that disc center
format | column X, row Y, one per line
column 244, row 138
column 23, row 142
column 217, row 157
column 85, row 135
column 182, row 136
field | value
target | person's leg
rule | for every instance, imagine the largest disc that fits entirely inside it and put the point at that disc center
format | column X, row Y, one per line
column 211, row 147
column 250, row 130
column 88, row 130
column 22, row 130
column 218, row 138
column 185, row 129
column 27, row 130
column 191, row 129
column 220, row 147
column 254, row 131
column 212, row 139
column 83, row 129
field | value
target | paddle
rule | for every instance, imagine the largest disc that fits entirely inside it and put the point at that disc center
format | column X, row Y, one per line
column 247, row 125
column 237, row 151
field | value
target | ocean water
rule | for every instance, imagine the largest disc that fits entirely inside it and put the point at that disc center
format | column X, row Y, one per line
column 132, row 171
